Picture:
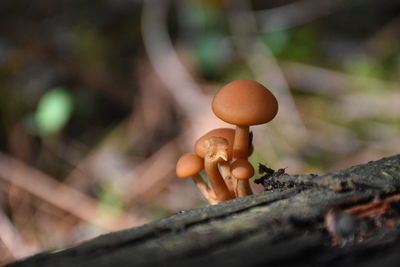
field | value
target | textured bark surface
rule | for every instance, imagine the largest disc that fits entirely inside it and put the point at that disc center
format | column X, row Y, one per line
column 282, row 227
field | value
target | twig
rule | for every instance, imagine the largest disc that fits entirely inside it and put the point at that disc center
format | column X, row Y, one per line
column 87, row 171
column 187, row 93
column 151, row 176
column 5, row 254
column 297, row 13
column 164, row 59
column 328, row 82
column 263, row 64
column 13, row 240
column 384, row 42
column 59, row 195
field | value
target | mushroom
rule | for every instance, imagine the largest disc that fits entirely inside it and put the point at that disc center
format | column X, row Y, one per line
column 190, row 165
column 217, row 152
column 229, row 135
column 242, row 170
column 244, row 103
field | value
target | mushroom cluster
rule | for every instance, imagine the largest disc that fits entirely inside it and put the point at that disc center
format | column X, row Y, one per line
column 224, row 152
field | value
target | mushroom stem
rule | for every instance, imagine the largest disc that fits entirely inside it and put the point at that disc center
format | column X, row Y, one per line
column 241, row 143
column 190, row 165
column 207, row 193
column 217, row 153
column 225, row 170
column 243, row 188
column 242, row 170
column 241, row 151
column 216, row 180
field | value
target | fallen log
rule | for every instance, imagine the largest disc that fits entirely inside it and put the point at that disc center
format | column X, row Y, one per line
column 350, row 217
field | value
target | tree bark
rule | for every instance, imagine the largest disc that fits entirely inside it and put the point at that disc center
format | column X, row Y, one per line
column 280, row 227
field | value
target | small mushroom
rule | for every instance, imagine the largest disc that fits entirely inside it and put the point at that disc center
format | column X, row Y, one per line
column 217, row 152
column 229, row 135
column 244, row 103
column 242, row 170
column 190, row 165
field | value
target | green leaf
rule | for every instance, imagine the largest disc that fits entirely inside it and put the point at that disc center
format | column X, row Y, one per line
column 53, row 112
column 365, row 67
column 276, row 41
column 211, row 52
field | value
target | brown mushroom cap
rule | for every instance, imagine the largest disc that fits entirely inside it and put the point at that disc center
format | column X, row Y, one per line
column 245, row 102
column 227, row 133
column 188, row 165
column 242, row 169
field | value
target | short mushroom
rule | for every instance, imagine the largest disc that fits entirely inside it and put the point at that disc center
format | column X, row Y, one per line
column 242, row 170
column 229, row 135
column 190, row 165
column 244, row 103
column 217, row 148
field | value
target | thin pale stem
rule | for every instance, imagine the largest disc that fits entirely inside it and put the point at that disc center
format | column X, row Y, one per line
column 227, row 175
column 241, row 143
column 243, row 188
column 216, row 180
column 241, row 151
column 202, row 186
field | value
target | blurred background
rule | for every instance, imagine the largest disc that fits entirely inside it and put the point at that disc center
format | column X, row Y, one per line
column 98, row 99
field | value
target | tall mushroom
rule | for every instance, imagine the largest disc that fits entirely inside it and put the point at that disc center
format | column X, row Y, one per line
column 190, row 165
column 217, row 148
column 244, row 103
